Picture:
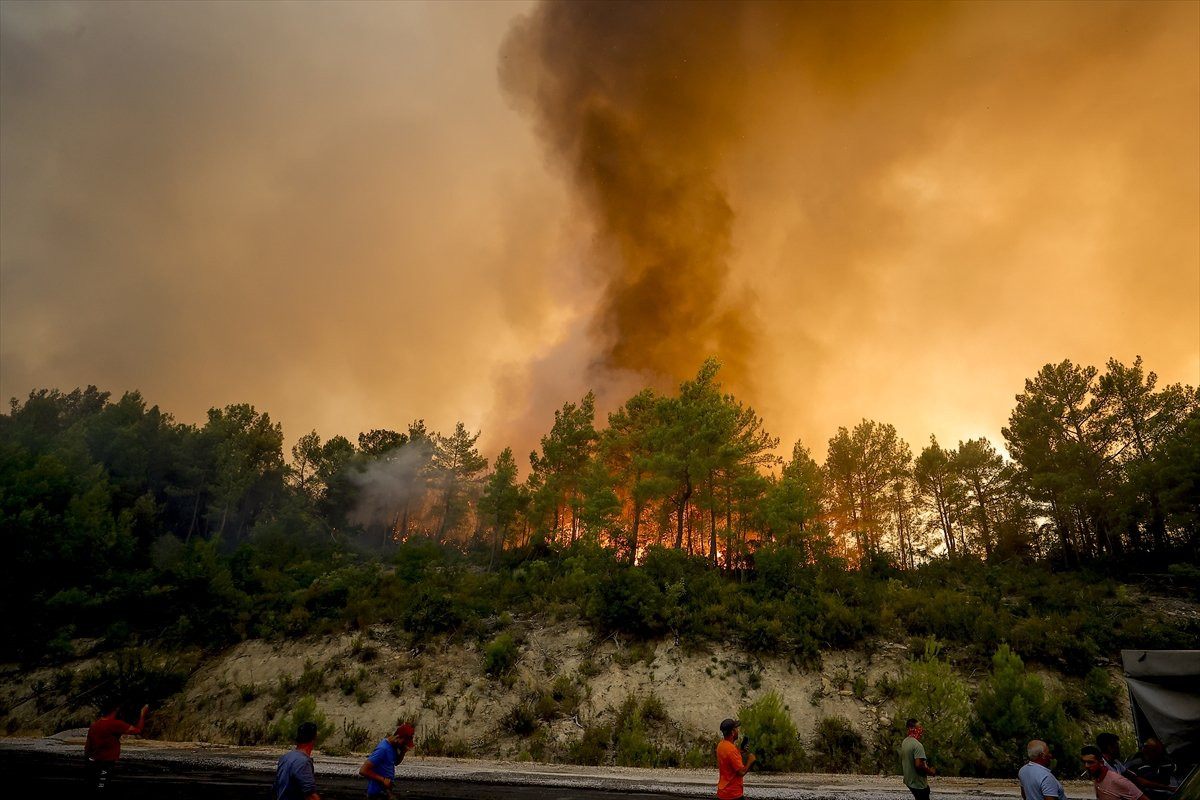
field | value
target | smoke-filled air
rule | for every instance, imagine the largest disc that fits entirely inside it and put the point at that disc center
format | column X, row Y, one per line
column 356, row 215
column 562, row 377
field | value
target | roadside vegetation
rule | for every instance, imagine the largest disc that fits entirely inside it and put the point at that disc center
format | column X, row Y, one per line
column 159, row 544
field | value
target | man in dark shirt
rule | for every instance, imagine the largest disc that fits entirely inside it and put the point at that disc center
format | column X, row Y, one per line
column 1152, row 771
column 294, row 778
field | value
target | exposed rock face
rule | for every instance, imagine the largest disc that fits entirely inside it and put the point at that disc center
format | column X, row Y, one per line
column 364, row 683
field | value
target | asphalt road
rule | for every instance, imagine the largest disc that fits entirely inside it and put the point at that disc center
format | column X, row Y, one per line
column 53, row 768
column 52, row 775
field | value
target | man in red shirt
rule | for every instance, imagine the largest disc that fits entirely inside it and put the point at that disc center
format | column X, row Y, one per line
column 1109, row 785
column 730, row 767
column 103, row 745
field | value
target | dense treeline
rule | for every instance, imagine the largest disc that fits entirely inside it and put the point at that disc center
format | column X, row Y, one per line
column 677, row 518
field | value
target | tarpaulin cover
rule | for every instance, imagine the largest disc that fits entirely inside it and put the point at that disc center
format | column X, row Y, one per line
column 1164, row 686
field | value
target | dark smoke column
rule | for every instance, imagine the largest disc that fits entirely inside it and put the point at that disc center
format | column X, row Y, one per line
column 639, row 102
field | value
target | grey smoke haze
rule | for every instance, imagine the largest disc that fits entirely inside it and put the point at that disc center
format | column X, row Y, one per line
column 387, row 486
column 356, row 214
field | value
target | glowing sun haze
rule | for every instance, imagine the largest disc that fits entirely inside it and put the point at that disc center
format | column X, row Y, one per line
column 352, row 215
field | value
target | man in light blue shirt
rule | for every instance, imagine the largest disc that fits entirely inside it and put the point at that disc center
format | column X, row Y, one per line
column 294, row 779
column 1037, row 782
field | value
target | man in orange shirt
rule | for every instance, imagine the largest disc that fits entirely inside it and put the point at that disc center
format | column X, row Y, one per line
column 730, row 767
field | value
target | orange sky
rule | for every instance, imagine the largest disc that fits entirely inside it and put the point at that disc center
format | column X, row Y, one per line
column 355, row 214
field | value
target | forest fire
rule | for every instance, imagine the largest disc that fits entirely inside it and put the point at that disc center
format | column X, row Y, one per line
column 697, row 472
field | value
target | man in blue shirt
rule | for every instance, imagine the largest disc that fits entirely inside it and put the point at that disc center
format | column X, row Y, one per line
column 294, row 778
column 1037, row 782
column 380, row 767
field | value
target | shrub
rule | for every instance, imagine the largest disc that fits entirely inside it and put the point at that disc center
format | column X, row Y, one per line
column 244, row 734
column 521, row 720
column 653, row 709
column 430, row 612
column 592, row 748
column 356, row 738
column 134, row 677
column 1099, row 692
column 1010, row 706
column 930, row 691
column 311, row 680
column 837, row 747
column 633, row 747
column 500, row 655
column 545, row 707
column 363, row 650
column 437, row 745
column 627, row 600
column 763, row 634
column 772, row 735
column 886, row 687
column 283, row 731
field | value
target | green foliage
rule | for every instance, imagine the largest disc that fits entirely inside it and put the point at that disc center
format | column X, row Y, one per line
column 431, row 612
column 283, row 729
column 633, row 747
column 592, row 748
column 500, row 655
column 631, row 734
column 135, row 677
column 1012, row 707
column 837, row 746
column 521, row 719
column 356, row 738
column 109, row 503
column 437, row 745
column 128, row 527
column 1100, row 693
column 931, row 692
column 772, row 735
column 311, row 681
column 562, row 698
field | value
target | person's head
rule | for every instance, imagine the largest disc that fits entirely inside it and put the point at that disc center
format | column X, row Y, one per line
column 913, row 728
column 1093, row 760
column 729, row 728
column 1152, row 749
column 1039, row 752
column 1109, row 744
column 306, row 733
column 403, row 734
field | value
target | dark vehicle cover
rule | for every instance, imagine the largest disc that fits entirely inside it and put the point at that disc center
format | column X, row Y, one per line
column 1164, row 689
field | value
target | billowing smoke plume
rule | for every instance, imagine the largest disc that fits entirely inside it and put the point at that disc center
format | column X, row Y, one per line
column 638, row 102
column 642, row 104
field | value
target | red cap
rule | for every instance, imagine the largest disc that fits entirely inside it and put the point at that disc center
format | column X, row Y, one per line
column 406, row 731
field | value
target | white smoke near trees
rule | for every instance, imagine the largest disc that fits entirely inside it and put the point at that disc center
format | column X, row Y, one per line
column 392, row 491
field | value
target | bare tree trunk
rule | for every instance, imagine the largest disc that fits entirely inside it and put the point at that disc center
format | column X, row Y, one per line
column 195, row 516
column 633, row 536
